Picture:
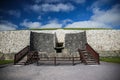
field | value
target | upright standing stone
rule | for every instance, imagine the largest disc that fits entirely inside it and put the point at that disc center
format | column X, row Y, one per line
column 43, row 42
column 73, row 41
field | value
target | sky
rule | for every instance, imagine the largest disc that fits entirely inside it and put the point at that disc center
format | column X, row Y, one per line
column 25, row 14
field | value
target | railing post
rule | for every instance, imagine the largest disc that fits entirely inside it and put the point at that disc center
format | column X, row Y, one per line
column 98, row 60
column 73, row 60
column 55, row 61
column 15, row 59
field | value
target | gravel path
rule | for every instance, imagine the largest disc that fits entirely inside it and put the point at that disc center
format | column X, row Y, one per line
column 104, row 71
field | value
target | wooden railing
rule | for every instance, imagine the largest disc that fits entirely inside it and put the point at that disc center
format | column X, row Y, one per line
column 2, row 57
column 92, row 52
column 82, row 58
column 32, row 56
column 21, row 54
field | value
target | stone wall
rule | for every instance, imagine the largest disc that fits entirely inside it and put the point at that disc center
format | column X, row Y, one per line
column 105, row 42
column 14, row 41
column 73, row 41
column 43, row 42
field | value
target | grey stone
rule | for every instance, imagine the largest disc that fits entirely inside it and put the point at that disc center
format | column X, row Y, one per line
column 43, row 42
column 74, row 41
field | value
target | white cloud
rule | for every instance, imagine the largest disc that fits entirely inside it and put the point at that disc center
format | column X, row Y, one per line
column 48, row 1
column 111, row 16
column 66, row 21
column 79, row 1
column 87, row 24
column 100, row 19
column 59, row 1
column 15, row 13
column 50, row 24
column 99, row 3
column 52, row 7
column 5, row 25
column 30, row 24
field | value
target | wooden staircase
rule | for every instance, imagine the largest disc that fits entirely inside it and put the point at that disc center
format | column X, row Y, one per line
column 32, row 57
column 25, row 56
column 89, row 55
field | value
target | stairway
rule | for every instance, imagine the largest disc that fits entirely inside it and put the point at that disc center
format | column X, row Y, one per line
column 25, row 56
column 22, row 61
column 89, row 59
column 89, row 55
column 32, row 57
column 21, row 54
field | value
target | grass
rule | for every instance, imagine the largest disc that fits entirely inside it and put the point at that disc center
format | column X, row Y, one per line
column 111, row 59
column 5, row 62
column 70, row 28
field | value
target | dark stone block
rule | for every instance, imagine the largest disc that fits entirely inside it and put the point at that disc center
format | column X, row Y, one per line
column 73, row 41
column 43, row 42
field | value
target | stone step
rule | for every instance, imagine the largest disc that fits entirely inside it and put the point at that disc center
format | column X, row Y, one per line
column 90, row 61
column 84, row 52
column 20, row 63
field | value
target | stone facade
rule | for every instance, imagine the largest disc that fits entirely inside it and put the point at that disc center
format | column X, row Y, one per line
column 42, row 42
column 14, row 41
column 74, row 41
column 105, row 42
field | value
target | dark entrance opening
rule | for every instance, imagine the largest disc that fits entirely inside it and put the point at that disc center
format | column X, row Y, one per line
column 59, row 44
column 58, row 50
column 59, row 47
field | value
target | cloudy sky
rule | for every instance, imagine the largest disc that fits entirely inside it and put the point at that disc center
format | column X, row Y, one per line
column 25, row 14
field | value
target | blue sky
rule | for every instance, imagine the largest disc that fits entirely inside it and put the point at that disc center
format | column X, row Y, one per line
column 25, row 14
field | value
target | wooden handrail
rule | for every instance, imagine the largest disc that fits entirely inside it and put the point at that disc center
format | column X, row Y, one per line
column 21, row 54
column 2, row 57
column 92, row 52
column 82, row 58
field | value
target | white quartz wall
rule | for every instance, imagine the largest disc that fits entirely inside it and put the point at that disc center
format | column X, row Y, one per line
column 14, row 41
column 104, row 41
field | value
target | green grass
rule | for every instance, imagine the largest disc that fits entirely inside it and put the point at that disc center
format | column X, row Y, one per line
column 70, row 28
column 5, row 62
column 111, row 59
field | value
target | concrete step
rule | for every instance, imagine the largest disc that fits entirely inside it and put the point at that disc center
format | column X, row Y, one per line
column 84, row 52
column 20, row 63
column 88, row 61
column 89, row 58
